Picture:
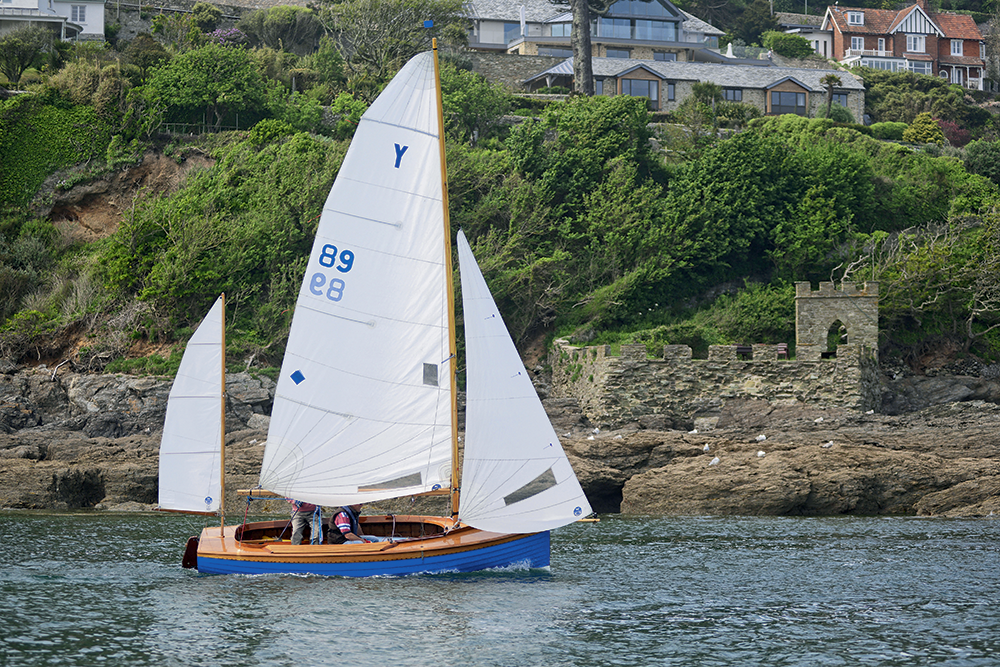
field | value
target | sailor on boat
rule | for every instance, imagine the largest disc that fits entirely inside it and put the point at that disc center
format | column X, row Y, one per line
column 349, row 527
column 304, row 514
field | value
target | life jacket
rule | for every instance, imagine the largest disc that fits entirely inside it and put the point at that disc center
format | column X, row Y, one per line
column 337, row 537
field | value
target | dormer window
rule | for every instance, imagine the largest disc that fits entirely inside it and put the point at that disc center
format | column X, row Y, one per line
column 855, row 18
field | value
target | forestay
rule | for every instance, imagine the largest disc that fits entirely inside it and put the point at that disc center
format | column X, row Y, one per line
column 190, row 477
column 362, row 410
column 515, row 475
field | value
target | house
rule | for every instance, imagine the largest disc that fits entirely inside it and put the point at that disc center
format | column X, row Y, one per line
column 913, row 39
column 637, row 29
column 67, row 19
column 773, row 90
column 810, row 28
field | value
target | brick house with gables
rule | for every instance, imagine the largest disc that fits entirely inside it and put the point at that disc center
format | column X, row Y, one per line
column 913, row 39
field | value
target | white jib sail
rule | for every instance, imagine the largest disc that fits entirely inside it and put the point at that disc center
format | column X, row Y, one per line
column 515, row 475
column 192, row 432
column 362, row 409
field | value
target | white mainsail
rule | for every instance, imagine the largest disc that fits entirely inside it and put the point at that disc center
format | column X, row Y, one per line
column 362, row 409
column 515, row 476
column 190, row 476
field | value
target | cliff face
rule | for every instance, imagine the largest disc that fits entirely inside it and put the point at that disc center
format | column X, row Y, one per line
column 70, row 441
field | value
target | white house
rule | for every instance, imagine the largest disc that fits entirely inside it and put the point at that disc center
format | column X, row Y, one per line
column 69, row 20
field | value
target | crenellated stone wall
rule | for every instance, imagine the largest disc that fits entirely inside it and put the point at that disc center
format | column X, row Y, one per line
column 677, row 390
column 674, row 389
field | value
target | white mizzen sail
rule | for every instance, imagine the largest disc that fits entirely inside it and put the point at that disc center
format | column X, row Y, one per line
column 515, row 475
column 190, row 475
column 362, row 409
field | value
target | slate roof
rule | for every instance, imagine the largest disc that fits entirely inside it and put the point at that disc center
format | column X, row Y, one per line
column 790, row 19
column 543, row 11
column 728, row 76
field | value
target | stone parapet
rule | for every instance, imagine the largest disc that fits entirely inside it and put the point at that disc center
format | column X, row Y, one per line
column 616, row 391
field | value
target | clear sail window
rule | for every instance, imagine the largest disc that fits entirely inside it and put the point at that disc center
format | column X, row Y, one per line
column 431, row 375
column 544, row 481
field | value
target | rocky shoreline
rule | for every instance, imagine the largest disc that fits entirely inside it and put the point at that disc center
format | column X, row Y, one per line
column 70, row 440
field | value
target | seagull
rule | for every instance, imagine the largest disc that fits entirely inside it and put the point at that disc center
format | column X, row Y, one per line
column 714, row 461
column 818, row 420
column 705, row 449
column 827, row 445
column 760, row 454
column 692, row 432
column 597, row 430
column 761, row 438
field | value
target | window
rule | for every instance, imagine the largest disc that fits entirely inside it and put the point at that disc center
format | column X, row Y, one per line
column 733, row 94
column 956, row 47
column 670, row 91
column 915, row 43
column 920, row 67
column 621, row 28
column 641, row 88
column 618, row 53
column 511, row 31
column 782, row 102
column 598, row 86
column 855, row 18
column 841, row 99
column 887, row 65
column 562, row 29
column 665, row 57
column 857, row 43
column 982, row 50
column 554, row 51
column 616, row 28
column 881, row 43
column 79, row 14
column 658, row 31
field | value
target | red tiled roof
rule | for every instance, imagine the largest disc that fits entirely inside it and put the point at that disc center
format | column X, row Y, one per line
column 961, row 60
column 877, row 21
column 958, row 26
column 918, row 56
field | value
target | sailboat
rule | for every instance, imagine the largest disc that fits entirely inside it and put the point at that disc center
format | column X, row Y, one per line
column 365, row 406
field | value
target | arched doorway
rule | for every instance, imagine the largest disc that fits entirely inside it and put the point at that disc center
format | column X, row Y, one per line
column 836, row 335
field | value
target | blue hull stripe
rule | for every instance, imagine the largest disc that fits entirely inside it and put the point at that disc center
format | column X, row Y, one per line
column 531, row 551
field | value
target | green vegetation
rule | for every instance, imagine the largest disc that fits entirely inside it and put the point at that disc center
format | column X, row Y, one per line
column 583, row 225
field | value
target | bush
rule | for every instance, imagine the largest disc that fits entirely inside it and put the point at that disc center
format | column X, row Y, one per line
column 983, row 158
column 787, row 45
column 838, row 114
column 924, row 130
column 956, row 136
column 889, row 131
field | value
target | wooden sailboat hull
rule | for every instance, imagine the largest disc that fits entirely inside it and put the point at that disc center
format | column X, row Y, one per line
column 255, row 549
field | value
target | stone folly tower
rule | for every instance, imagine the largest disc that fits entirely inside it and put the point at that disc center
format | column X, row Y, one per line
column 832, row 322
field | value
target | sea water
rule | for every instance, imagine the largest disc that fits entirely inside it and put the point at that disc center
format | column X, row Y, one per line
column 107, row 589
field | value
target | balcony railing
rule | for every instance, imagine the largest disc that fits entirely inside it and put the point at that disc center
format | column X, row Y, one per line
column 869, row 52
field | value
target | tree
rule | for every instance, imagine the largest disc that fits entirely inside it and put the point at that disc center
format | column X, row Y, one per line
column 831, row 81
column 286, row 28
column 787, row 44
column 19, row 49
column 754, row 22
column 472, row 105
column 206, row 16
column 215, row 78
column 377, row 37
column 583, row 67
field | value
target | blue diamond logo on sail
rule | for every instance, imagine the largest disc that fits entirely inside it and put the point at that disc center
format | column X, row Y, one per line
column 298, row 377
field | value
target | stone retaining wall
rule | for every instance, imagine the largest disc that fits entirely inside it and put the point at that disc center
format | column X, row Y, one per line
column 679, row 391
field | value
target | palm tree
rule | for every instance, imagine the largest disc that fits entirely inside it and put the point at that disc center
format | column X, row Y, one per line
column 830, row 81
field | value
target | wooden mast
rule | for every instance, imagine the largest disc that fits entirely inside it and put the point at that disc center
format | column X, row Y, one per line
column 222, row 444
column 452, row 347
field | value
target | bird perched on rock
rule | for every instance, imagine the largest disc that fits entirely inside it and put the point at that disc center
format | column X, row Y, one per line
column 827, row 445
column 714, row 461
column 761, row 454
column 761, row 438
column 705, row 449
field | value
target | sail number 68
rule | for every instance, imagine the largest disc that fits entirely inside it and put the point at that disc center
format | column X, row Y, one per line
column 330, row 258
